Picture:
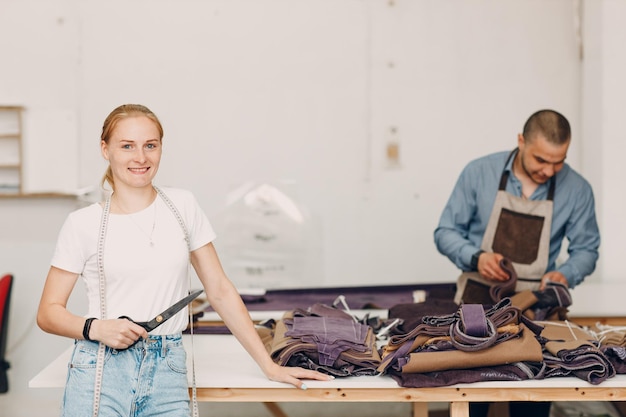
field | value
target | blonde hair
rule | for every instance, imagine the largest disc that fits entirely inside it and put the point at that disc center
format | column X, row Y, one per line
column 123, row 112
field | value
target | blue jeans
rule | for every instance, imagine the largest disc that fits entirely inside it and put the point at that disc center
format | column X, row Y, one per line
column 148, row 379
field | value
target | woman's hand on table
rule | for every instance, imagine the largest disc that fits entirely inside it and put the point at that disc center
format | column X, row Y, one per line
column 295, row 375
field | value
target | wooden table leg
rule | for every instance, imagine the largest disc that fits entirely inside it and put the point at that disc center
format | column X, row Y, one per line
column 459, row 409
column 275, row 410
column 420, row 409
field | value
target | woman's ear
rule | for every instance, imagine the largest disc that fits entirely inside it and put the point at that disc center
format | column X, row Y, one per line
column 104, row 149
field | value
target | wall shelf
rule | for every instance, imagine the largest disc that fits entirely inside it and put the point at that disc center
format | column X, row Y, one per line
column 4, row 194
column 11, row 166
column 12, row 157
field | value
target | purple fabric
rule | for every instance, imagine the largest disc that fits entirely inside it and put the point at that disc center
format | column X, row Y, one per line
column 512, row 372
column 369, row 297
column 340, row 368
column 504, row 289
column 328, row 329
column 474, row 320
column 433, row 326
column 586, row 362
column 554, row 295
column 412, row 315
column 331, row 335
column 617, row 356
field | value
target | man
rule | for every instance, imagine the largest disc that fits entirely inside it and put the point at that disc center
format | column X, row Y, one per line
column 522, row 205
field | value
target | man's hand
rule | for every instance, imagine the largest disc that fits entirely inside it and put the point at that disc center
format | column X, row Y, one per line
column 489, row 267
column 555, row 276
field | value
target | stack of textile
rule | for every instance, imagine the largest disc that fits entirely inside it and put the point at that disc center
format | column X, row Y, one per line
column 429, row 355
column 571, row 350
column 475, row 343
column 613, row 345
column 322, row 338
column 612, row 342
column 524, row 335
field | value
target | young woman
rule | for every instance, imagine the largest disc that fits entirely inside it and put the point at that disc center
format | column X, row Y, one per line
column 133, row 253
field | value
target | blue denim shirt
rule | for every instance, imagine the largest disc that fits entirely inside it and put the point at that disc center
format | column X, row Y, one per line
column 466, row 214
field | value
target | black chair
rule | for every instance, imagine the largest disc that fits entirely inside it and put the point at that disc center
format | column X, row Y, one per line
column 6, row 282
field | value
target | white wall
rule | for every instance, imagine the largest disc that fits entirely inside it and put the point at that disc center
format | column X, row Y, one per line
column 307, row 91
column 604, row 115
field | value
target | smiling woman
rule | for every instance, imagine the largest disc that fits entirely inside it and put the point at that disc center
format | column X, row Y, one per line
column 131, row 142
column 243, row 98
column 127, row 276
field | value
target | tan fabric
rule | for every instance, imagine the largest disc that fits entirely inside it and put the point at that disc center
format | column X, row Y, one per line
column 562, row 330
column 565, row 336
column 266, row 335
column 614, row 338
column 556, row 347
column 524, row 348
column 523, row 299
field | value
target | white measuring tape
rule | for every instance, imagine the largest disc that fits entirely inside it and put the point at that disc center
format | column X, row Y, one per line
column 102, row 347
column 181, row 222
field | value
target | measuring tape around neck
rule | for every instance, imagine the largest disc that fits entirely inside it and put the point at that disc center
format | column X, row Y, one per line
column 102, row 290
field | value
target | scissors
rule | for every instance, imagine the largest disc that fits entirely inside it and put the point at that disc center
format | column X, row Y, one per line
column 167, row 314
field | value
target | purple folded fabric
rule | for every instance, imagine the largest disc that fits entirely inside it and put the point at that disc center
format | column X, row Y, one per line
column 328, row 329
column 499, row 291
column 554, row 295
column 511, row 372
column 473, row 320
column 331, row 335
column 587, row 363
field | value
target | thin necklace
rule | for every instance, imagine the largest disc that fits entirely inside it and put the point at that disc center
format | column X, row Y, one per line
column 130, row 216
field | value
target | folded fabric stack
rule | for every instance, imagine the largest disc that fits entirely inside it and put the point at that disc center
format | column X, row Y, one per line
column 525, row 348
column 570, row 350
column 453, row 344
column 473, row 344
column 612, row 341
column 322, row 338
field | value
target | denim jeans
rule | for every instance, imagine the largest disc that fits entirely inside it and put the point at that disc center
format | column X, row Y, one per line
column 148, row 379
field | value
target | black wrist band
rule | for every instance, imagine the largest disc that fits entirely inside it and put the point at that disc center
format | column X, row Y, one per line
column 474, row 261
column 87, row 328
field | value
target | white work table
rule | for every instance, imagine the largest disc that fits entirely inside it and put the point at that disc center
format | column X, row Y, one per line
column 226, row 373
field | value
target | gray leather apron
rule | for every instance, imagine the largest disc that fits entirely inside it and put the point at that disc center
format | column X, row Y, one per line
column 519, row 229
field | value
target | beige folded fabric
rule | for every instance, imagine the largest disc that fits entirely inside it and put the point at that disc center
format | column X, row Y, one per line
column 267, row 336
column 281, row 347
column 556, row 347
column 524, row 348
column 523, row 299
column 565, row 336
column 614, row 338
column 561, row 330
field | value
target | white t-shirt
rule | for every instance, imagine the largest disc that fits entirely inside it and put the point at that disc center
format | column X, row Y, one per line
column 141, row 280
